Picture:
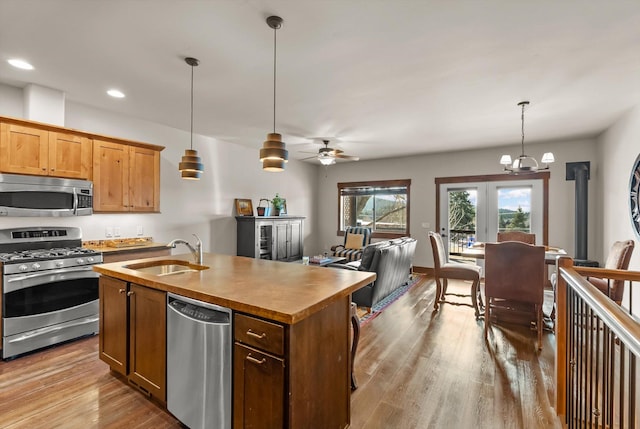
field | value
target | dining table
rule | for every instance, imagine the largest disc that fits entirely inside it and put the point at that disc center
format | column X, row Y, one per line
column 476, row 251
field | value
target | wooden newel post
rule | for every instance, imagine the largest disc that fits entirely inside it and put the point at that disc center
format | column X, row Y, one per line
column 561, row 363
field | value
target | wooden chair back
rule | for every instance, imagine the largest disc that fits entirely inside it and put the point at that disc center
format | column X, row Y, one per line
column 523, row 237
column 514, row 271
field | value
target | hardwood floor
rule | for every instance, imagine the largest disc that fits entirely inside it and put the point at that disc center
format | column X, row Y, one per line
column 415, row 369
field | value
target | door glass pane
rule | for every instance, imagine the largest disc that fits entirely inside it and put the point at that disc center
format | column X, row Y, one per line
column 514, row 209
column 462, row 209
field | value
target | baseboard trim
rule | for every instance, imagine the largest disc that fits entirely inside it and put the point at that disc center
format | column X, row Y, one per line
column 423, row 270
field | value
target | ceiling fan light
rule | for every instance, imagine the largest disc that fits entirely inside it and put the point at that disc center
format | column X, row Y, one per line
column 326, row 160
column 548, row 158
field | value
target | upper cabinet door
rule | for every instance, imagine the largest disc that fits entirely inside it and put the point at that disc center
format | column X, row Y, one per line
column 24, row 150
column 110, row 177
column 69, row 155
column 144, row 179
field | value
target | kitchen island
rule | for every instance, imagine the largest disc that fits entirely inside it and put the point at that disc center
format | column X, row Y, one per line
column 291, row 333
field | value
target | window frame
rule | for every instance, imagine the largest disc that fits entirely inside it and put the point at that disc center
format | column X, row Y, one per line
column 378, row 184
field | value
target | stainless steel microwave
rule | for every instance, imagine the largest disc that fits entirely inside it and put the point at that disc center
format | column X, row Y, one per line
column 44, row 196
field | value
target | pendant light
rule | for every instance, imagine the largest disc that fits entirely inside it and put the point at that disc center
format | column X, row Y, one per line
column 525, row 164
column 273, row 154
column 191, row 166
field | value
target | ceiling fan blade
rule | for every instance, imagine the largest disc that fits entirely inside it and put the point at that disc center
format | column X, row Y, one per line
column 309, row 157
column 347, row 157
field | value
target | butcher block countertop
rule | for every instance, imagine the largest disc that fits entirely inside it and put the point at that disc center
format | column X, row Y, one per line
column 282, row 291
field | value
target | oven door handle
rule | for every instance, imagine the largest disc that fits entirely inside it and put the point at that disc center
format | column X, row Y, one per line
column 50, row 329
column 13, row 283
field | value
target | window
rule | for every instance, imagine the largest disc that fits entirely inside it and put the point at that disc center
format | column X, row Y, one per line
column 382, row 206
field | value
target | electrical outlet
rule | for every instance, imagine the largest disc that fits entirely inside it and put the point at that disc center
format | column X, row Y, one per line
column 108, row 232
column 116, row 231
column 139, row 230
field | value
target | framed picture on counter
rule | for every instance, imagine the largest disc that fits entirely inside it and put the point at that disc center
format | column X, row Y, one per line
column 244, row 207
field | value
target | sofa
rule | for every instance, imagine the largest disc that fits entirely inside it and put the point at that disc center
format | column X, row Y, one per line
column 391, row 260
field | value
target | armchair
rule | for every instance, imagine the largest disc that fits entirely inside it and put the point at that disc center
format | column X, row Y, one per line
column 618, row 259
column 355, row 239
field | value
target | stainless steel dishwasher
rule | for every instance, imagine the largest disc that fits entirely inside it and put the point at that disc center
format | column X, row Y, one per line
column 199, row 343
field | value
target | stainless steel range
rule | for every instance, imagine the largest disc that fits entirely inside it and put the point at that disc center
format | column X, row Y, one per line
column 49, row 289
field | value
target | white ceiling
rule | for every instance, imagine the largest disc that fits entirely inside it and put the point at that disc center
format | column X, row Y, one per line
column 383, row 78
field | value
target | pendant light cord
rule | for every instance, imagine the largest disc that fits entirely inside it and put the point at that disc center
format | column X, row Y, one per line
column 275, row 30
column 522, row 117
column 192, row 107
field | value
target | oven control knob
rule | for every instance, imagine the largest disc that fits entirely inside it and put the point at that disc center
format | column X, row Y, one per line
column 36, row 266
column 80, row 261
column 23, row 267
column 90, row 259
column 59, row 263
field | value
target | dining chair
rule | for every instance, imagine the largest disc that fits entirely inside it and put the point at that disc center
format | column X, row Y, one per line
column 445, row 270
column 514, row 281
column 523, row 237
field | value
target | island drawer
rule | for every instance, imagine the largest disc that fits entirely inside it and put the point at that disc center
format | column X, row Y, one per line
column 259, row 333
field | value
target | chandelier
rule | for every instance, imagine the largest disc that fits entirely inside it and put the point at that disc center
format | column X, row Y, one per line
column 525, row 164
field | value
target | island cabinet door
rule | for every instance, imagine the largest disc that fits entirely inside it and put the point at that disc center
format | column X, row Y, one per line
column 113, row 323
column 147, row 340
column 258, row 389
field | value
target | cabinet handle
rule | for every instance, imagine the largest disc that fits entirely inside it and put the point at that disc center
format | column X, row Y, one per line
column 130, row 293
column 120, row 290
column 256, row 361
column 254, row 335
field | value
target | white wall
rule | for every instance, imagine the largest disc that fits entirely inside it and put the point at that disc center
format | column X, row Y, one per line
column 204, row 207
column 618, row 149
column 423, row 169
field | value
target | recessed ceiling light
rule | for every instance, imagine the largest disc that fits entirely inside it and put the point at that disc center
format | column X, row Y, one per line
column 21, row 64
column 115, row 93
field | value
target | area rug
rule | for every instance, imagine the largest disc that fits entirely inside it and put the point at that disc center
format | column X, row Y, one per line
column 388, row 300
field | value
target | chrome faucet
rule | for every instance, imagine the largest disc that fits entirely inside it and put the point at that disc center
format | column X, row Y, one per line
column 196, row 251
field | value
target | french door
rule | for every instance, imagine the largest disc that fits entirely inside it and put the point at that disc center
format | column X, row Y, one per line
column 476, row 210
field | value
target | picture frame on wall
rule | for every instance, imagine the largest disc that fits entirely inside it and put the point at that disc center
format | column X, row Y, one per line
column 244, row 207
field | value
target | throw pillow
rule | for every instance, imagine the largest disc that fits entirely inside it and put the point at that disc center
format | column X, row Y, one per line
column 354, row 241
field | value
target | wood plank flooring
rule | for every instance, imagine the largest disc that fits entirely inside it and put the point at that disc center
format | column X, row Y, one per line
column 415, row 369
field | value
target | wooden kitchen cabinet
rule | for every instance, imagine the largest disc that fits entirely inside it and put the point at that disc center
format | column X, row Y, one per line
column 133, row 334
column 276, row 238
column 44, row 152
column 259, row 370
column 126, row 178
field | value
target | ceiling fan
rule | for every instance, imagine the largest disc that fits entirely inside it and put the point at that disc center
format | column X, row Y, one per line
column 328, row 155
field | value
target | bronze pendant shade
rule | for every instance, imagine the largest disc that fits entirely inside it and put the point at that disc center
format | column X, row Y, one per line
column 191, row 166
column 274, row 154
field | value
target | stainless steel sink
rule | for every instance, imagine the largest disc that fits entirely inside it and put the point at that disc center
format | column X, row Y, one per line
column 166, row 267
